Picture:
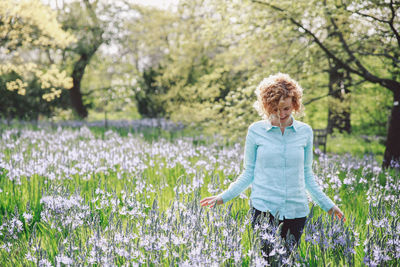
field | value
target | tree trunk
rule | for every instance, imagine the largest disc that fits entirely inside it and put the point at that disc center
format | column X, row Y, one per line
column 77, row 75
column 75, row 91
column 392, row 152
column 339, row 104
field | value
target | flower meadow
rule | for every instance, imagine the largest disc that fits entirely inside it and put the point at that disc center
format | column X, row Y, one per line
column 82, row 196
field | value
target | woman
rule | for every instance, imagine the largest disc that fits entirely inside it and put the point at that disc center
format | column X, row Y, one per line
column 278, row 160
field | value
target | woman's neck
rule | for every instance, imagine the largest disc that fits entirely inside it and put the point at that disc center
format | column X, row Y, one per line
column 276, row 122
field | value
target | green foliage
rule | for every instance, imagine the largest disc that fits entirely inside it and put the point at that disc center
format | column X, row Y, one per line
column 219, row 55
column 30, row 106
column 356, row 145
column 30, row 27
column 148, row 94
column 370, row 110
column 108, row 91
column 201, row 62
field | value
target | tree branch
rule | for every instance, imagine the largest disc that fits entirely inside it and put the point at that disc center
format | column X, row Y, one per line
column 107, row 88
column 91, row 12
column 320, row 97
column 362, row 72
column 331, row 93
column 395, row 59
column 314, row 37
column 315, row 99
column 396, row 33
column 372, row 17
column 390, row 21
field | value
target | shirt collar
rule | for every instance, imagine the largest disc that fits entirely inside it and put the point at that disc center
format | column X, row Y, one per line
column 294, row 125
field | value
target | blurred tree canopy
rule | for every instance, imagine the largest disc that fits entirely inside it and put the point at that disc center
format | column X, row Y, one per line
column 201, row 61
column 92, row 23
column 27, row 27
column 360, row 37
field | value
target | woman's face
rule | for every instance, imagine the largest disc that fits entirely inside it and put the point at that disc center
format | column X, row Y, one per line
column 284, row 110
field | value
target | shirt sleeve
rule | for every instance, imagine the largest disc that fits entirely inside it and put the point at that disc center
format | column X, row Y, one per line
column 312, row 187
column 247, row 176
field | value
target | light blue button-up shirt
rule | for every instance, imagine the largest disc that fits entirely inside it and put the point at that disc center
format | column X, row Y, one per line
column 279, row 167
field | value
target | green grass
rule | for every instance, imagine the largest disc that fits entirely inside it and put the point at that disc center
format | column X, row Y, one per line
column 355, row 145
column 19, row 198
column 115, row 115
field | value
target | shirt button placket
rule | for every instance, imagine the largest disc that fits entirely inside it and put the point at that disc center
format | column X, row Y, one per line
column 284, row 171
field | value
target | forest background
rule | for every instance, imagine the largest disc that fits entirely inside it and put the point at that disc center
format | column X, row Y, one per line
column 199, row 62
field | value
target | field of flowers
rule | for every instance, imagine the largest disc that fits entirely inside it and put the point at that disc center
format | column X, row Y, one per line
column 83, row 196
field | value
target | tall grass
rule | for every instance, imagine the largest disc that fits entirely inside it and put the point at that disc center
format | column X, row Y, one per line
column 117, row 197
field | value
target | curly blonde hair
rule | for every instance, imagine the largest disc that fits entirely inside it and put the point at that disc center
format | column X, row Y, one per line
column 274, row 89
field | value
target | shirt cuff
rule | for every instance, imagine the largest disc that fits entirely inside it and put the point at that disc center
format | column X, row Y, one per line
column 327, row 205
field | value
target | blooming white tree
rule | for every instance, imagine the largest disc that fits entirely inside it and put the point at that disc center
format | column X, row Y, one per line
column 26, row 27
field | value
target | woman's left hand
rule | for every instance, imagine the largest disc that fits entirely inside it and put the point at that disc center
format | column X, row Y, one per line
column 212, row 201
column 337, row 213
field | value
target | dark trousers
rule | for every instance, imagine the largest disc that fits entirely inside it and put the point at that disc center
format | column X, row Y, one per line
column 291, row 228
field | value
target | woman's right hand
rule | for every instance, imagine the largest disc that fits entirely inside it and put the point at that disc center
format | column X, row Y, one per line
column 211, row 201
column 337, row 213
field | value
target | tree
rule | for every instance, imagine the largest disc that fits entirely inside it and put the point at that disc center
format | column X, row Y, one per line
column 372, row 55
column 338, row 105
column 94, row 23
column 216, row 53
column 81, row 18
column 210, row 58
column 144, row 43
column 148, row 95
column 27, row 27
